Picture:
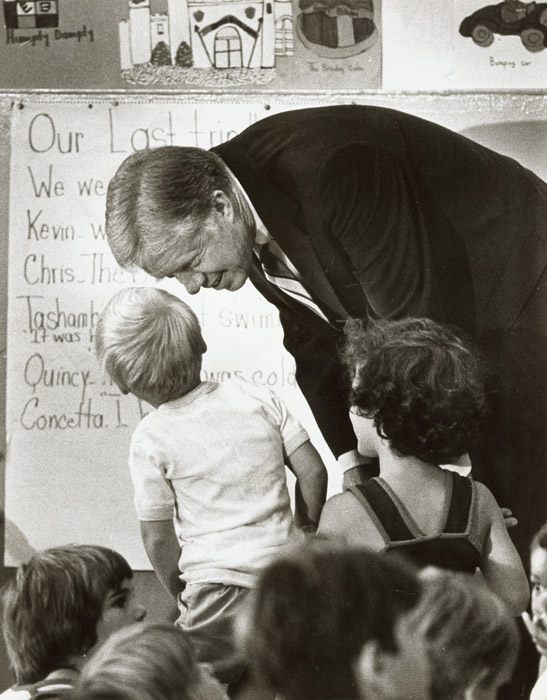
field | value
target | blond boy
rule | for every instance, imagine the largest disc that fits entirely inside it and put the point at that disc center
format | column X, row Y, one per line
column 208, row 468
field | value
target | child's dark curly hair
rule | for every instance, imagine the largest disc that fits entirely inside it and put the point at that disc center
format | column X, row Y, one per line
column 421, row 383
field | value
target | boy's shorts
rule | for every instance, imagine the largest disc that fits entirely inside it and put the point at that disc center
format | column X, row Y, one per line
column 208, row 613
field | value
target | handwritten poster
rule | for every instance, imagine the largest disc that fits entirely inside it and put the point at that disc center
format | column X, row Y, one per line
column 68, row 427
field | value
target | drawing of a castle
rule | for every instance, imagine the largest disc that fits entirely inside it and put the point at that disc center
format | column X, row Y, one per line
column 208, row 33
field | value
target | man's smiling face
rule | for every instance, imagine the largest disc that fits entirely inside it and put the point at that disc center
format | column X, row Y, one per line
column 218, row 257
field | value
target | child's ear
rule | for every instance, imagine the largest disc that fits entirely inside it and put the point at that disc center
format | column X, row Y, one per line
column 371, row 668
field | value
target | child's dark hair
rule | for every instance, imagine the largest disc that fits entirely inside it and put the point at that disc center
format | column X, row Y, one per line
column 422, row 383
column 313, row 611
column 469, row 633
column 51, row 608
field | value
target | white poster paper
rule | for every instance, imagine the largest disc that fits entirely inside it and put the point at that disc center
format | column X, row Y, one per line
column 68, row 427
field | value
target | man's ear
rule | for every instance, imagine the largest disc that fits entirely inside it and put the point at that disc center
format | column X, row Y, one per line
column 223, row 205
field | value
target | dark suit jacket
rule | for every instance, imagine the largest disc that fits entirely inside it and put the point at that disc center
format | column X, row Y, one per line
column 388, row 215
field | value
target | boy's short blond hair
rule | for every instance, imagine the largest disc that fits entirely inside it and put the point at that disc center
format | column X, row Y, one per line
column 150, row 343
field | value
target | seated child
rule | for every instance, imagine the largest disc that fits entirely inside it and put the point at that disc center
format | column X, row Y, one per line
column 150, row 662
column 418, row 401
column 57, row 609
column 314, row 610
column 537, row 624
column 471, row 639
column 208, row 468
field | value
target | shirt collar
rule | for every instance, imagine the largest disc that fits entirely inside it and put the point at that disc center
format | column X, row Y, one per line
column 201, row 389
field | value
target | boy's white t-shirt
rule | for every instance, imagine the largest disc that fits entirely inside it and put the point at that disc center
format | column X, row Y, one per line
column 215, row 461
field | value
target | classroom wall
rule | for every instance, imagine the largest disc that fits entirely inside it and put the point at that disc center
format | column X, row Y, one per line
column 415, row 46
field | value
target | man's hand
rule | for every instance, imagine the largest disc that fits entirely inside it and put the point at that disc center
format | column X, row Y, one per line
column 508, row 518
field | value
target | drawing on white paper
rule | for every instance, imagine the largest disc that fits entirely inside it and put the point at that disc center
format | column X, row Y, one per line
column 528, row 20
column 205, row 42
column 337, row 28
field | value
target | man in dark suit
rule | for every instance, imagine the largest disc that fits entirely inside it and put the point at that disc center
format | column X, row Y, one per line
column 373, row 213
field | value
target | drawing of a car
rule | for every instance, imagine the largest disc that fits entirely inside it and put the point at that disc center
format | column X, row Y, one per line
column 512, row 17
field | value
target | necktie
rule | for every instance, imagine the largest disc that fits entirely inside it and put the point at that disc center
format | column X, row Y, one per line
column 279, row 271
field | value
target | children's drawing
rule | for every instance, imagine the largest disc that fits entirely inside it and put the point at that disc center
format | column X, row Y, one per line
column 512, row 17
column 31, row 14
column 337, row 28
column 205, row 42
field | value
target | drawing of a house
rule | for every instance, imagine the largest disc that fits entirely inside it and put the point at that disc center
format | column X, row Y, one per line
column 209, row 33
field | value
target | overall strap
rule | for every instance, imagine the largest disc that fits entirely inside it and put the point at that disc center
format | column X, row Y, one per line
column 386, row 511
column 460, row 504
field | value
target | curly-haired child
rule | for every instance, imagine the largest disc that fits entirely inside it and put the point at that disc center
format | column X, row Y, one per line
column 418, row 402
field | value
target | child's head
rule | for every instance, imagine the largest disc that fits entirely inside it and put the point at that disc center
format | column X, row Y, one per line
column 313, row 611
column 150, row 662
column 62, row 603
column 150, row 343
column 471, row 639
column 421, row 385
column 538, row 577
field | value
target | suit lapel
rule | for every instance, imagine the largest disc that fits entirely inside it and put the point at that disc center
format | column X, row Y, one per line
column 278, row 211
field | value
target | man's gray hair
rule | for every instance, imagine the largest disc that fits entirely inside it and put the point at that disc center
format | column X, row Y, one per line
column 159, row 194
